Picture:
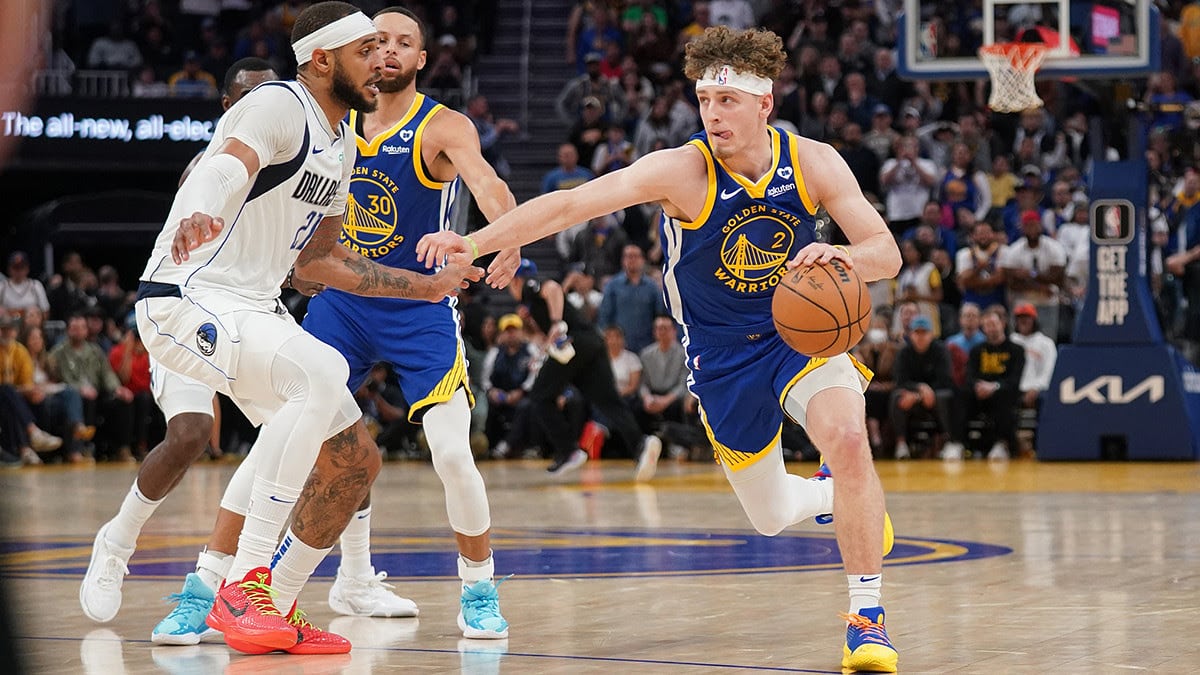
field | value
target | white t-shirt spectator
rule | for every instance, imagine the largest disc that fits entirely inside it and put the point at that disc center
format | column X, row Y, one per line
column 906, row 194
column 624, row 366
column 16, row 297
column 1018, row 255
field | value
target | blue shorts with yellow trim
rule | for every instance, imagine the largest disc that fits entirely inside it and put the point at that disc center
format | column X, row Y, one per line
column 741, row 385
column 419, row 339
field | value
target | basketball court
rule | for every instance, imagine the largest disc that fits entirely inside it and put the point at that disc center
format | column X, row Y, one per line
column 1015, row 567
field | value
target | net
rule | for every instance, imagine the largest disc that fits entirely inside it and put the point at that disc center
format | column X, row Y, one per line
column 1012, row 66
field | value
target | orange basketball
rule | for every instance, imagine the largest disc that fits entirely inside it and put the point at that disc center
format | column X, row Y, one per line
column 821, row 310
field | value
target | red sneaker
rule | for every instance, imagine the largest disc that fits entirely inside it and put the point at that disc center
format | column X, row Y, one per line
column 246, row 614
column 310, row 639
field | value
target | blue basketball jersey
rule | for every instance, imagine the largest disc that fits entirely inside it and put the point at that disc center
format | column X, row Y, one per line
column 733, row 255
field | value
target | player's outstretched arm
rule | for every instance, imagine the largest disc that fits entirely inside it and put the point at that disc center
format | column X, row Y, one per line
column 652, row 178
column 326, row 262
column 872, row 251
column 459, row 141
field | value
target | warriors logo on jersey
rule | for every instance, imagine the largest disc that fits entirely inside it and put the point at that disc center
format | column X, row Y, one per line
column 754, row 254
column 369, row 228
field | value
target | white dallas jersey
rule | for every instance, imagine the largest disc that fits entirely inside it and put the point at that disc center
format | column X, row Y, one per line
column 304, row 177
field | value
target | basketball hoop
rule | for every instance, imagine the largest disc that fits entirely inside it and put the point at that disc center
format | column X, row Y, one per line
column 1012, row 66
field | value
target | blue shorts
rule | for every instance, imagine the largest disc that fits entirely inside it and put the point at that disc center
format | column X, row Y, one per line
column 741, row 384
column 419, row 339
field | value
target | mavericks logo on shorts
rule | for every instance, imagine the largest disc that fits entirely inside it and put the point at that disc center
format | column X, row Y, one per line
column 206, row 339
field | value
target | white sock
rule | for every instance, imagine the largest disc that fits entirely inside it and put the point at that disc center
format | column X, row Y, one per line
column 472, row 572
column 212, row 567
column 124, row 528
column 864, row 590
column 356, row 547
column 269, row 508
column 293, row 564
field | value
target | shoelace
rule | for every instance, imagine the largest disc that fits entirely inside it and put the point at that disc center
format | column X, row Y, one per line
column 297, row 619
column 188, row 603
column 871, row 631
column 112, row 575
column 485, row 601
column 377, row 581
column 261, row 596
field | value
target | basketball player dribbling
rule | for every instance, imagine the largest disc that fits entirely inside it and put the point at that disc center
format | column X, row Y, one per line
column 270, row 193
column 743, row 183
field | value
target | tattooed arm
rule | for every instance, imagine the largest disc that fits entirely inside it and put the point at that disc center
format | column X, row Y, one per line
column 323, row 260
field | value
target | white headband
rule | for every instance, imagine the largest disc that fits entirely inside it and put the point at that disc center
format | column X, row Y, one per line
column 726, row 76
column 331, row 36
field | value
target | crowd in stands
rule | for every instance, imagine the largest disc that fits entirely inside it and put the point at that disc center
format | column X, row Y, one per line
column 991, row 212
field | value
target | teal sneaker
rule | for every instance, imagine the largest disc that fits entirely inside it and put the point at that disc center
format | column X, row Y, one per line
column 185, row 624
column 480, row 615
column 889, row 533
column 868, row 648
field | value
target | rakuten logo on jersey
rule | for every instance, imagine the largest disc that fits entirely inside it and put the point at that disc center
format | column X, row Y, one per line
column 776, row 190
column 395, row 149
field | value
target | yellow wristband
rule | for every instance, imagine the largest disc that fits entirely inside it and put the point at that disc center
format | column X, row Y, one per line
column 474, row 247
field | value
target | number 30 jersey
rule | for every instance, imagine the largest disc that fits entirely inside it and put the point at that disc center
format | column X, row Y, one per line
column 304, row 176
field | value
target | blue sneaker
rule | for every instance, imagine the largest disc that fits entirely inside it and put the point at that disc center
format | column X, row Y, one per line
column 868, row 648
column 889, row 534
column 480, row 615
column 185, row 624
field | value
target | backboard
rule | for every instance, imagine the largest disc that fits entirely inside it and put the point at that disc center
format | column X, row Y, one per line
column 1102, row 39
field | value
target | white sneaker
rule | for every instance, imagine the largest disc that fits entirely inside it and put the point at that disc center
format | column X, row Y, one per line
column 998, row 453
column 576, row 460
column 952, row 452
column 368, row 596
column 100, row 592
column 902, row 451
column 648, row 461
column 44, row 442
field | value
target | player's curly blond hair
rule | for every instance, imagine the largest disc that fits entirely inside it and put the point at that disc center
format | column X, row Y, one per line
column 753, row 50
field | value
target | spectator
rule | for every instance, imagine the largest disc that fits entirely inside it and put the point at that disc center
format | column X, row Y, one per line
column 1029, row 198
column 592, row 84
column 863, row 163
column 507, row 374
column 1075, row 235
column 1161, row 90
column 853, row 61
column 57, row 405
column 114, row 300
column 980, row 275
column 148, row 85
column 884, row 83
column 860, row 104
column 1041, row 354
column 971, row 131
column 1034, row 125
column 701, row 20
column 737, row 14
column 907, row 181
column 1034, row 268
column 159, row 53
column 878, row 352
column 638, row 94
column 114, row 51
column 192, row 81
column 593, row 40
column 491, row 131
column 598, row 246
column 445, row 72
column 582, row 293
column 649, row 41
column 976, row 193
column 18, row 292
column 923, row 386
column 1002, row 184
column 882, row 137
column 829, row 79
column 82, row 364
column 131, row 362
column 632, row 301
column 616, row 152
column 658, row 129
column 789, row 96
column 626, row 367
column 19, row 434
column 920, row 282
column 1062, row 205
column 568, row 173
column 253, row 33
column 993, row 383
column 663, row 395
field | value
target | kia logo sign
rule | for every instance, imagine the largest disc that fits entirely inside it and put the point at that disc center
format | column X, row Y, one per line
column 1111, row 389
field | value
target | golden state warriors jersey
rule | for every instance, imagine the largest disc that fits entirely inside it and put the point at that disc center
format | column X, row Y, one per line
column 393, row 200
column 733, row 255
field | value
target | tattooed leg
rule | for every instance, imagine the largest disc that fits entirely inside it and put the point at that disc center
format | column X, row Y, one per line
column 340, row 483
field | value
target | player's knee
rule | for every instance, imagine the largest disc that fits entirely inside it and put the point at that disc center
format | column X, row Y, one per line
column 328, row 370
column 454, row 464
column 767, row 524
column 188, row 434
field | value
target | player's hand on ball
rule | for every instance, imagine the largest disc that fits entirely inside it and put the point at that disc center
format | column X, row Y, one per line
column 457, row 274
column 819, row 253
column 433, row 248
column 504, row 267
column 196, row 229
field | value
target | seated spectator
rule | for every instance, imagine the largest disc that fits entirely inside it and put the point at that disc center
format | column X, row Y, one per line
column 1029, row 198
column 587, row 131
column 591, row 85
column 882, row 137
column 658, row 129
column 386, row 414
column 568, row 173
column 922, row 386
column 920, row 282
column 976, row 192
column 626, row 367
column 1034, row 268
column 83, row 365
column 57, row 406
column 491, row 130
column 1062, row 206
column 632, row 300
column 131, row 362
column 20, row 436
column 1041, row 354
column 192, row 81
column 878, row 352
column 1002, row 184
column 581, row 291
column 701, row 20
column 663, row 393
column 993, row 384
column 114, row 51
column 148, row 85
column 980, row 275
column 961, row 343
column 603, row 30
column 616, row 152
column 598, row 246
column 507, row 374
column 444, row 72
column 19, row 292
column 862, row 161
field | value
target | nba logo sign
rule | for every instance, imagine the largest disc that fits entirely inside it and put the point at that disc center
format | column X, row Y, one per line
column 723, row 75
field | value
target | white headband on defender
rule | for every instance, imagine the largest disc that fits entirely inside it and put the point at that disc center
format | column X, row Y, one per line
column 726, row 76
column 331, row 36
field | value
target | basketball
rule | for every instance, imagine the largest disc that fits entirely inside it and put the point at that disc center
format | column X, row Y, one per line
column 821, row 310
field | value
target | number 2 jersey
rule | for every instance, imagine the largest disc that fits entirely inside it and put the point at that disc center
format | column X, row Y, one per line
column 304, row 177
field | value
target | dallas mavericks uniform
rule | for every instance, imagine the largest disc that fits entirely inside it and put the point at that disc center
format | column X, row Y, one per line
column 191, row 315
column 729, row 260
column 393, row 202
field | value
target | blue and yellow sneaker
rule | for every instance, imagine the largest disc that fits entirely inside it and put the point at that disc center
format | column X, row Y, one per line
column 185, row 624
column 889, row 534
column 480, row 615
column 868, row 648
